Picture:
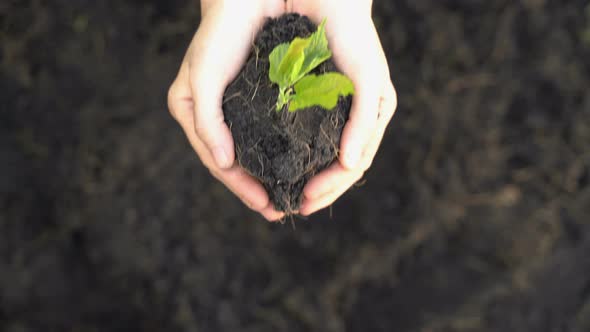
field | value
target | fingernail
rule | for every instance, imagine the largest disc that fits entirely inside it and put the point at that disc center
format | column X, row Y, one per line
column 221, row 158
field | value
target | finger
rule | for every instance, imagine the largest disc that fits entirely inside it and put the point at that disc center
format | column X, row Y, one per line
column 208, row 120
column 362, row 59
column 215, row 57
column 239, row 182
column 387, row 109
column 364, row 63
column 210, row 127
column 270, row 214
column 360, row 125
column 310, row 206
column 243, row 185
column 179, row 93
column 329, row 179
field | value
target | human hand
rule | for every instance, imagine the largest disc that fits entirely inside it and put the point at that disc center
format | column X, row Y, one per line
column 215, row 56
column 358, row 53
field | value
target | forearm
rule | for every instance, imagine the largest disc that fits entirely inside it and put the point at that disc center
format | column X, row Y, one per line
column 359, row 7
column 206, row 5
column 251, row 10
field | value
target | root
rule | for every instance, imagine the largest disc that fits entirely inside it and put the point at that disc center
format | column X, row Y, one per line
column 235, row 95
column 289, row 214
column 261, row 165
column 247, row 81
column 284, row 116
column 336, row 150
column 256, row 53
column 238, row 155
column 335, row 119
column 255, row 90
column 308, row 154
column 259, row 156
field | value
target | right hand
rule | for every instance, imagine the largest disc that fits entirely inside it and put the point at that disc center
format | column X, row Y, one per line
column 358, row 53
column 214, row 58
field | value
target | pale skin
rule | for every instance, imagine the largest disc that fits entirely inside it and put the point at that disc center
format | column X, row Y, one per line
column 215, row 57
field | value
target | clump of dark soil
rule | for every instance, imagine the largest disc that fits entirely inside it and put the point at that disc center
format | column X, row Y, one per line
column 282, row 149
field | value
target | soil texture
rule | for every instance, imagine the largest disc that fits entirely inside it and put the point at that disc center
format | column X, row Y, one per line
column 282, row 149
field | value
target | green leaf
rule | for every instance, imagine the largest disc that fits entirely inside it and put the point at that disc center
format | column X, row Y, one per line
column 289, row 62
column 323, row 90
column 316, row 51
column 290, row 67
column 275, row 58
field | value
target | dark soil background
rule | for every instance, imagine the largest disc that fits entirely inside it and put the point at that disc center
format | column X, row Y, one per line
column 474, row 217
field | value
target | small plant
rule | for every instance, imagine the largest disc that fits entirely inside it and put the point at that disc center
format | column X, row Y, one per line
column 290, row 65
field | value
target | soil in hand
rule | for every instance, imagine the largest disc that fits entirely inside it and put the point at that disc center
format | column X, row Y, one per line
column 282, row 149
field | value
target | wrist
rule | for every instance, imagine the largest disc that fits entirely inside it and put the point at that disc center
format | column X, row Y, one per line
column 207, row 5
column 245, row 7
column 357, row 8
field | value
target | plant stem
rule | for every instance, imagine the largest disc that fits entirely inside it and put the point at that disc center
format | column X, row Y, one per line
column 284, row 98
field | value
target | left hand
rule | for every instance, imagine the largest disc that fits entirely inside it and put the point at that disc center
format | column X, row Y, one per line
column 215, row 56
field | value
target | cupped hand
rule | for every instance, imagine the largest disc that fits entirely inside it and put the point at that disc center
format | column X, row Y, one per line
column 214, row 58
column 358, row 53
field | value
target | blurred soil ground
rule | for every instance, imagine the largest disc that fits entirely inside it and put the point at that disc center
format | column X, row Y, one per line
column 474, row 217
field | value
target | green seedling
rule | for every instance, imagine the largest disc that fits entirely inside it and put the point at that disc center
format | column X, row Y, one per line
column 290, row 65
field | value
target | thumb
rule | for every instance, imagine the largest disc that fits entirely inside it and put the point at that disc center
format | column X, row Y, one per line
column 209, row 123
